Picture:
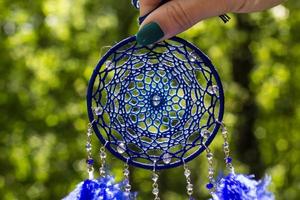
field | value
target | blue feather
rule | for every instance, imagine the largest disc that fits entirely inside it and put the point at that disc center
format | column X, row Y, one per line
column 100, row 189
column 241, row 187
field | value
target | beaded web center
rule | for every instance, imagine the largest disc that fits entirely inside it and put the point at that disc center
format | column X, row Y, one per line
column 156, row 106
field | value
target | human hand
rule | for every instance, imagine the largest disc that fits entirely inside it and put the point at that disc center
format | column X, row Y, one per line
column 177, row 16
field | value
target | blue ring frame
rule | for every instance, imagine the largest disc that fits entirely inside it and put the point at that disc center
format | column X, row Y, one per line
column 208, row 63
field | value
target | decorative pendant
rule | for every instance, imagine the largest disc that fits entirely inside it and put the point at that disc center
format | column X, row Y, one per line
column 158, row 107
column 155, row 107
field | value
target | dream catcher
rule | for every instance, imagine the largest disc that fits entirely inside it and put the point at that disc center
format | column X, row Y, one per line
column 157, row 107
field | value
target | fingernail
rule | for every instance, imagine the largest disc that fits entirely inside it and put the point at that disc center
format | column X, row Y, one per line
column 149, row 34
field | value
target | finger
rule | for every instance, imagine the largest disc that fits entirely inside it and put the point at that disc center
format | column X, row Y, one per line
column 146, row 6
column 246, row 6
column 176, row 16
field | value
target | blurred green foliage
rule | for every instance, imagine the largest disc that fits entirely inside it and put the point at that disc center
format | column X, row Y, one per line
column 48, row 49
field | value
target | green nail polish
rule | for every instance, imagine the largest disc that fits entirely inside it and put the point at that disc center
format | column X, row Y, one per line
column 149, row 34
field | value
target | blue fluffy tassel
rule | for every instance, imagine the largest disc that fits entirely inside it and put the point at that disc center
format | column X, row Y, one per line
column 241, row 187
column 100, row 189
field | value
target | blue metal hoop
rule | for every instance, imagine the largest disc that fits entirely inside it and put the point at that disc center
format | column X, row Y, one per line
column 135, row 3
column 158, row 106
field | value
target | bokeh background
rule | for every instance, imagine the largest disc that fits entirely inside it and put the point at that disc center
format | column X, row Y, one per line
column 48, row 49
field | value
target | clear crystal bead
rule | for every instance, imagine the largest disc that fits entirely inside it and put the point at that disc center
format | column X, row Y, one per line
column 89, row 132
column 156, row 100
column 102, row 155
column 155, row 191
column 212, row 89
column 101, row 171
column 126, row 172
column 189, row 189
column 209, row 155
column 226, row 144
column 98, row 111
column 127, row 187
column 91, row 174
column 108, row 64
column 215, row 89
column 190, row 186
column 121, row 148
column 193, row 57
column 205, row 133
column 224, row 131
column 187, row 172
column 167, row 158
column 154, row 177
column 88, row 146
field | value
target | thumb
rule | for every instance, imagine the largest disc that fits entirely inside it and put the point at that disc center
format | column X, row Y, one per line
column 177, row 16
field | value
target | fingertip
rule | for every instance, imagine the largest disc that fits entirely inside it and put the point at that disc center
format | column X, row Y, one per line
column 149, row 34
column 177, row 16
column 167, row 16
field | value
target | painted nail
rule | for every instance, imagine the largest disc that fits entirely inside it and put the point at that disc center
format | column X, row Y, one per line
column 149, row 34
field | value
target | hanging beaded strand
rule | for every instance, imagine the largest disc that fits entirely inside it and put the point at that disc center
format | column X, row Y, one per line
column 126, row 173
column 88, row 147
column 102, row 156
column 189, row 186
column 155, row 190
column 228, row 159
column 210, row 186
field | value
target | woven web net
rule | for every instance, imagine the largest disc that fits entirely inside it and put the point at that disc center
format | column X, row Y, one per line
column 155, row 106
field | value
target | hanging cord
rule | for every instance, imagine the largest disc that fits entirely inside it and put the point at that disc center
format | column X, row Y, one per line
column 102, row 156
column 228, row 159
column 126, row 173
column 88, row 147
column 155, row 190
column 189, row 186
column 211, row 185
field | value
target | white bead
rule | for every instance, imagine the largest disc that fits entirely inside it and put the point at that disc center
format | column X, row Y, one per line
column 192, row 57
column 215, row 88
column 88, row 146
column 108, row 65
column 126, row 172
column 127, row 187
column 102, row 155
column 209, row 155
column 102, row 171
column 187, row 172
column 156, row 100
column 167, row 158
column 89, row 132
column 121, row 148
column 212, row 89
column 155, row 191
column 224, row 131
column 189, row 189
column 91, row 174
column 154, row 177
column 226, row 144
column 205, row 133
column 98, row 111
